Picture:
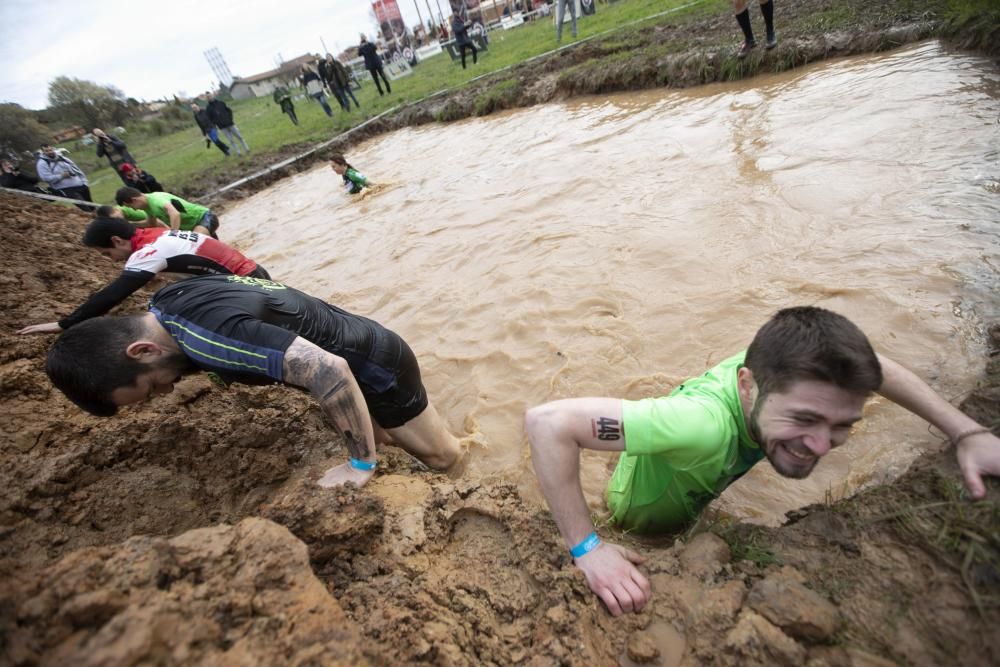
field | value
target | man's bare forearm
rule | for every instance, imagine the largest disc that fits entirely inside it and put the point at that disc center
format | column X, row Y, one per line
column 328, row 378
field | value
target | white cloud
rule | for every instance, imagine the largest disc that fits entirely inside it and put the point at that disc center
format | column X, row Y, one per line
column 152, row 50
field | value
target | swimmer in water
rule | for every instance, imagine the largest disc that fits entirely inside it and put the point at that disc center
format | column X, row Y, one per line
column 354, row 181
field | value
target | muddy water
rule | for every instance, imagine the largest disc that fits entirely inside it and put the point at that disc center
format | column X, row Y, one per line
column 614, row 246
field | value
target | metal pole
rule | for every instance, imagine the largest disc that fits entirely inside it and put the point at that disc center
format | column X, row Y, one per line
column 325, row 50
column 420, row 18
column 430, row 14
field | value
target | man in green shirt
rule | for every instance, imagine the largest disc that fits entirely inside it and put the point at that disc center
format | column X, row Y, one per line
column 791, row 397
column 171, row 209
column 137, row 218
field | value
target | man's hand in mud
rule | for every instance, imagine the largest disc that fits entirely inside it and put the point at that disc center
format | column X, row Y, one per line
column 344, row 473
column 978, row 455
column 48, row 327
column 612, row 575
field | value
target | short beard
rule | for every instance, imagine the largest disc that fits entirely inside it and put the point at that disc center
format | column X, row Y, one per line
column 755, row 433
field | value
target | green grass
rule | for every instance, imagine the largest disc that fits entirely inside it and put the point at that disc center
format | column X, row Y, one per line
column 177, row 158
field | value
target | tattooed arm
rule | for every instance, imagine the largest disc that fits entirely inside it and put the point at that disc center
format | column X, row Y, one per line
column 557, row 432
column 329, row 379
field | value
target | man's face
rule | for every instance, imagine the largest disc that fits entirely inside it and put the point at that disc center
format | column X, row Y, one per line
column 119, row 251
column 800, row 425
column 156, row 381
column 49, row 151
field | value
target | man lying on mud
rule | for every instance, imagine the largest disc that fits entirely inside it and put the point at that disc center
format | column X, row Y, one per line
column 147, row 252
column 256, row 331
column 791, row 397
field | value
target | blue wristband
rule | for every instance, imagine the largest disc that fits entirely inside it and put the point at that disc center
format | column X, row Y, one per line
column 358, row 464
column 589, row 543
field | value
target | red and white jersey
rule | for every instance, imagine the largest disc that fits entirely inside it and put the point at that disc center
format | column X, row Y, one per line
column 158, row 249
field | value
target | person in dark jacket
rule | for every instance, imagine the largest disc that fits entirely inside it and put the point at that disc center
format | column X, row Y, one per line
column 283, row 99
column 11, row 177
column 373, row 64
column 208, row 129
column 342, row 78
column 462, row 40
column 113, row 148
column 222, row 116
column 333, row 81
column 138, row 178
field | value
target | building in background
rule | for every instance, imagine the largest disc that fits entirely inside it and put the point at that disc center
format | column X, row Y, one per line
column 263, row 84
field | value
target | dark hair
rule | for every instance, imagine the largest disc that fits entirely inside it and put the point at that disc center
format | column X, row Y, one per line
column 809, row 343
column 88, row 361
column 104, row 211
column 99, row 232
column 126, row 194
column 337, row 158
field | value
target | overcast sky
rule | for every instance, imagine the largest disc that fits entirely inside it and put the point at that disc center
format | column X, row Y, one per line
column 152, row 50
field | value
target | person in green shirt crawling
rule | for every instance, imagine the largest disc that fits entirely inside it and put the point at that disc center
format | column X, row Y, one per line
column 353, row 180
column 171, row 209
column 791, row 397
column 137, row 218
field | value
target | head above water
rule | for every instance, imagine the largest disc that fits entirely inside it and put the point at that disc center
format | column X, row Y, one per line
column 810, row 343
column 803, row 385
column 339, row 164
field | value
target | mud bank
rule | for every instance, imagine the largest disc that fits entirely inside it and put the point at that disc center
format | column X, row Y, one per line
column 690, row 48
column 188, row 531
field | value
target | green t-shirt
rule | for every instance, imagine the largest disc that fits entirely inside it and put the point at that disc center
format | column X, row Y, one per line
column 354, row 181
column 681, row 451
column 191, row 214
column 132, row 215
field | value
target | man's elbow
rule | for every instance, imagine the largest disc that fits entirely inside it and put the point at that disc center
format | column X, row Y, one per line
column 542, row 423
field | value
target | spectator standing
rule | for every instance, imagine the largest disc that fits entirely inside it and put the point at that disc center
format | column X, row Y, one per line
column 222, row 116
column 343, row 79
column 314, row 87
column 62, row 175
column 113, row 148
column 208, row 129
column 373, row 63
column 560, row 10
column 11, row 177
column 742, row 13
column 284, row 99
column 325, row 68
column 461, row 32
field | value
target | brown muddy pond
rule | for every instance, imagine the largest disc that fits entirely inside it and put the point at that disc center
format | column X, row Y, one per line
column 614, row 246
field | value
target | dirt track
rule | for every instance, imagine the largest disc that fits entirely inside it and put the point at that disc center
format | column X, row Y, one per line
column 416, row 567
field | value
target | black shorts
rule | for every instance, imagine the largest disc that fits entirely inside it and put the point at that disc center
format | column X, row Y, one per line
column 390, row 381
column 259, row 272
column 209, row 221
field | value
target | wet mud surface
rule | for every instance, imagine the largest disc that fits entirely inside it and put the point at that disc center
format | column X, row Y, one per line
column 189, row 532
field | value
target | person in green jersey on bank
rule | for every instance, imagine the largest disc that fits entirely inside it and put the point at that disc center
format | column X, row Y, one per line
column 791, row 397
column 177, row 213
column 354, row 182
column 137, row 218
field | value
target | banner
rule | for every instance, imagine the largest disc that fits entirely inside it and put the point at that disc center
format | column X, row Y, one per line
column 387, row 11
column 390, row 20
